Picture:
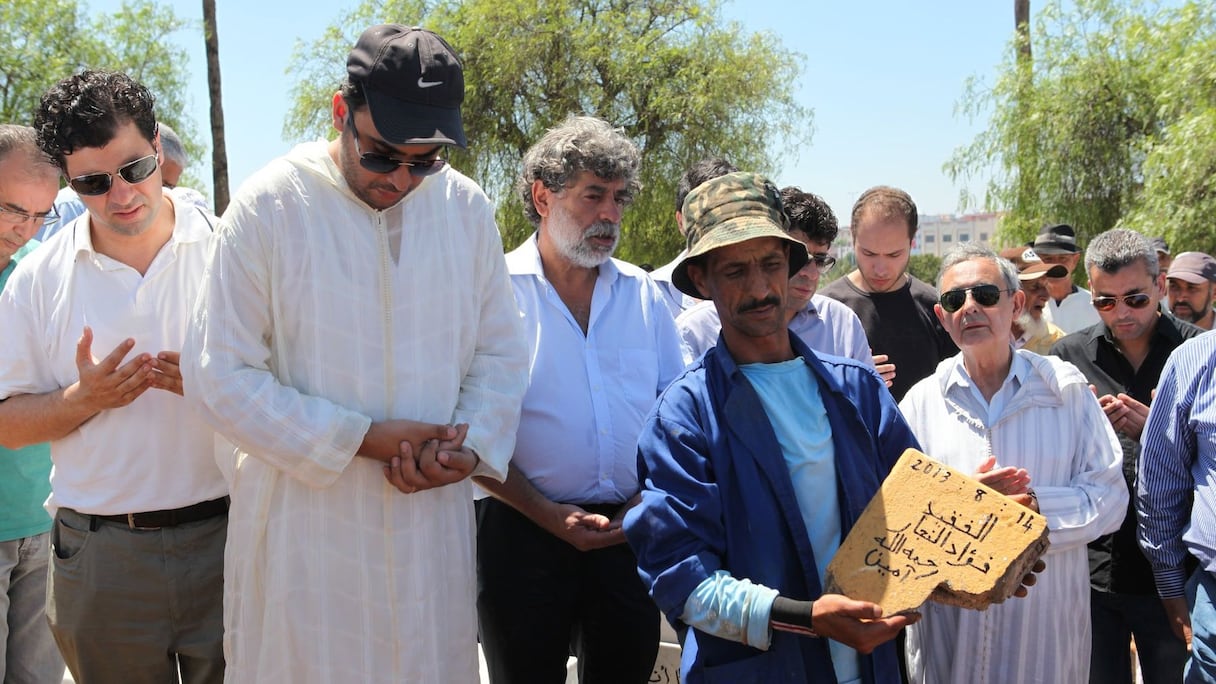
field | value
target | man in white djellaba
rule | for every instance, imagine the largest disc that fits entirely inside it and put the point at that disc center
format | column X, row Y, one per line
column 1029, row 426
column 358, row 340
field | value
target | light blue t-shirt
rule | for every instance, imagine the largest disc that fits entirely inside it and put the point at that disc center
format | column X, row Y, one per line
column 25, row 473
column 736, row 608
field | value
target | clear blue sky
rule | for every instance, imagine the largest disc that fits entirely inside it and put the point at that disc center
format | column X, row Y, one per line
column 883, row 78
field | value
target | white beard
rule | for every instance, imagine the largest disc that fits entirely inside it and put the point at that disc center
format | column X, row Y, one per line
column 1032, row 327
column 573, row 242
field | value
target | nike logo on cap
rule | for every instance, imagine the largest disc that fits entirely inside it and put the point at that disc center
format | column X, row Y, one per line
column 423, row 83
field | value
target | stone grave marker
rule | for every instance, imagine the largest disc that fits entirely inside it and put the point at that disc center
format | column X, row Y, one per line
column 934, row 533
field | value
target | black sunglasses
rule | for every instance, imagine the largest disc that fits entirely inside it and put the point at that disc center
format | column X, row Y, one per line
column 382, row 163
column 1135, row 301
column 823, row 262
column 984, row 295
column 135, row 172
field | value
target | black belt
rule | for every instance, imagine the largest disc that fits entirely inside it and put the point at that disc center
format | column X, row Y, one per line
column 605, row 509
column 152, row 520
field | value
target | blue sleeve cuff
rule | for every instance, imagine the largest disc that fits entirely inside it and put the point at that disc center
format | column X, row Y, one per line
column 1171, row 582
column 759, row 634
column 730, row 608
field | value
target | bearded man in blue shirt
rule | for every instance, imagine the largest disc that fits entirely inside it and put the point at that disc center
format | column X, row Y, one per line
column 554, row 574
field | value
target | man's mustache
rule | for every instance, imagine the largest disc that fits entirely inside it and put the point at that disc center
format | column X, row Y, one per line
column 602, row 229
column 759, row 303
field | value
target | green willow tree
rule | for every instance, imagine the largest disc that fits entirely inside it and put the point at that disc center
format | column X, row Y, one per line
column 925, row 267
column 683, row 83
column 1112, row 124
column 47, row 40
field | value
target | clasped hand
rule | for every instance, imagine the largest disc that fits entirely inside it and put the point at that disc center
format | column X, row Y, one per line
column 429, row 456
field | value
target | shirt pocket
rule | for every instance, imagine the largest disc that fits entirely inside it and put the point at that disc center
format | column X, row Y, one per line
column 638, row 376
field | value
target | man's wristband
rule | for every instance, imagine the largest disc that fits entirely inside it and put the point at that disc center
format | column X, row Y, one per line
column 789, row 615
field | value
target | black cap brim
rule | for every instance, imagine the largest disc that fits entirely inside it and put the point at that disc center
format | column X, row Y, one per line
column 411, row 123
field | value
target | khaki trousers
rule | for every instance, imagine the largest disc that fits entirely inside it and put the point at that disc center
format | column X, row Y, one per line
column 136, row 606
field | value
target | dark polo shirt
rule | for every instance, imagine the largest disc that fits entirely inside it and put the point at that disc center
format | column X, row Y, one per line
column 1115, row 561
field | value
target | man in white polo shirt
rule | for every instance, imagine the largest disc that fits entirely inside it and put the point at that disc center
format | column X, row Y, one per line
column 93, row 324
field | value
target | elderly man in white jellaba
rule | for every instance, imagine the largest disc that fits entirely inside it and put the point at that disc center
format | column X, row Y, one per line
column 1029, row 427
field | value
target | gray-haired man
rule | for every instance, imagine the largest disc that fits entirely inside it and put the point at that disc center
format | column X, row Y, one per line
column 554, row 571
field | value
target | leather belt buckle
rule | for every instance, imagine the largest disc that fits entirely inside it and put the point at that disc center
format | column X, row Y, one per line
column 132, row 525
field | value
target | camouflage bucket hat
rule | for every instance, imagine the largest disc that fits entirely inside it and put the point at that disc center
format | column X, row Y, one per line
column 728, row 210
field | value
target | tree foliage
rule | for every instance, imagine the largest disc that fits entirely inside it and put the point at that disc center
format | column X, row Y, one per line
column 1113, row 124
column 925, row 267
column 47, row 40
column 683, row 84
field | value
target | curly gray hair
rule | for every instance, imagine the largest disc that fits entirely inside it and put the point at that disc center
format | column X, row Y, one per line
column 580, row 143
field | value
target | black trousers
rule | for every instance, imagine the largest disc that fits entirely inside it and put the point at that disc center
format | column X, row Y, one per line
column 540, row 599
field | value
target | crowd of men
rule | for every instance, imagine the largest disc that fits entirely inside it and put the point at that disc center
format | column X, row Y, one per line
column 338, row 435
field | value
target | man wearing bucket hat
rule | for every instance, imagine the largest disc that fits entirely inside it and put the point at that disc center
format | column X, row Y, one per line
column 825, row 324
column 358, row 339
column 756, row 462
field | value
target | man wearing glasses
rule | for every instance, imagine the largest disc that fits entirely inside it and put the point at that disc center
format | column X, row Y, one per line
column 1029, row 427
column 27, row 190
column 93, row 323
column 173, row 161
column 1122, row 357
column 824, row 324
column 357, row 338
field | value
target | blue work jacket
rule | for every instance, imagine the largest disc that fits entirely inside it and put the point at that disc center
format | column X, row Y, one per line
column 717, row 495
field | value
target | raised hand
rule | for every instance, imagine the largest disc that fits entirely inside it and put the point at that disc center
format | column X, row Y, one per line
column 109, row 383
column 1029, row 579
column 168, row 372
column 1009, row 481
column 1134, row 417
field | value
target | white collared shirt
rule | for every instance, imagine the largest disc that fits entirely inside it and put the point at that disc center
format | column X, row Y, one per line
column 154, row 453
column 588, row 394
column 1075, row 312
column 677, row 301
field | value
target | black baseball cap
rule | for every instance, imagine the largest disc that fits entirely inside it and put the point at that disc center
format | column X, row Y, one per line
column 1056, row 239
column 414, row 84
